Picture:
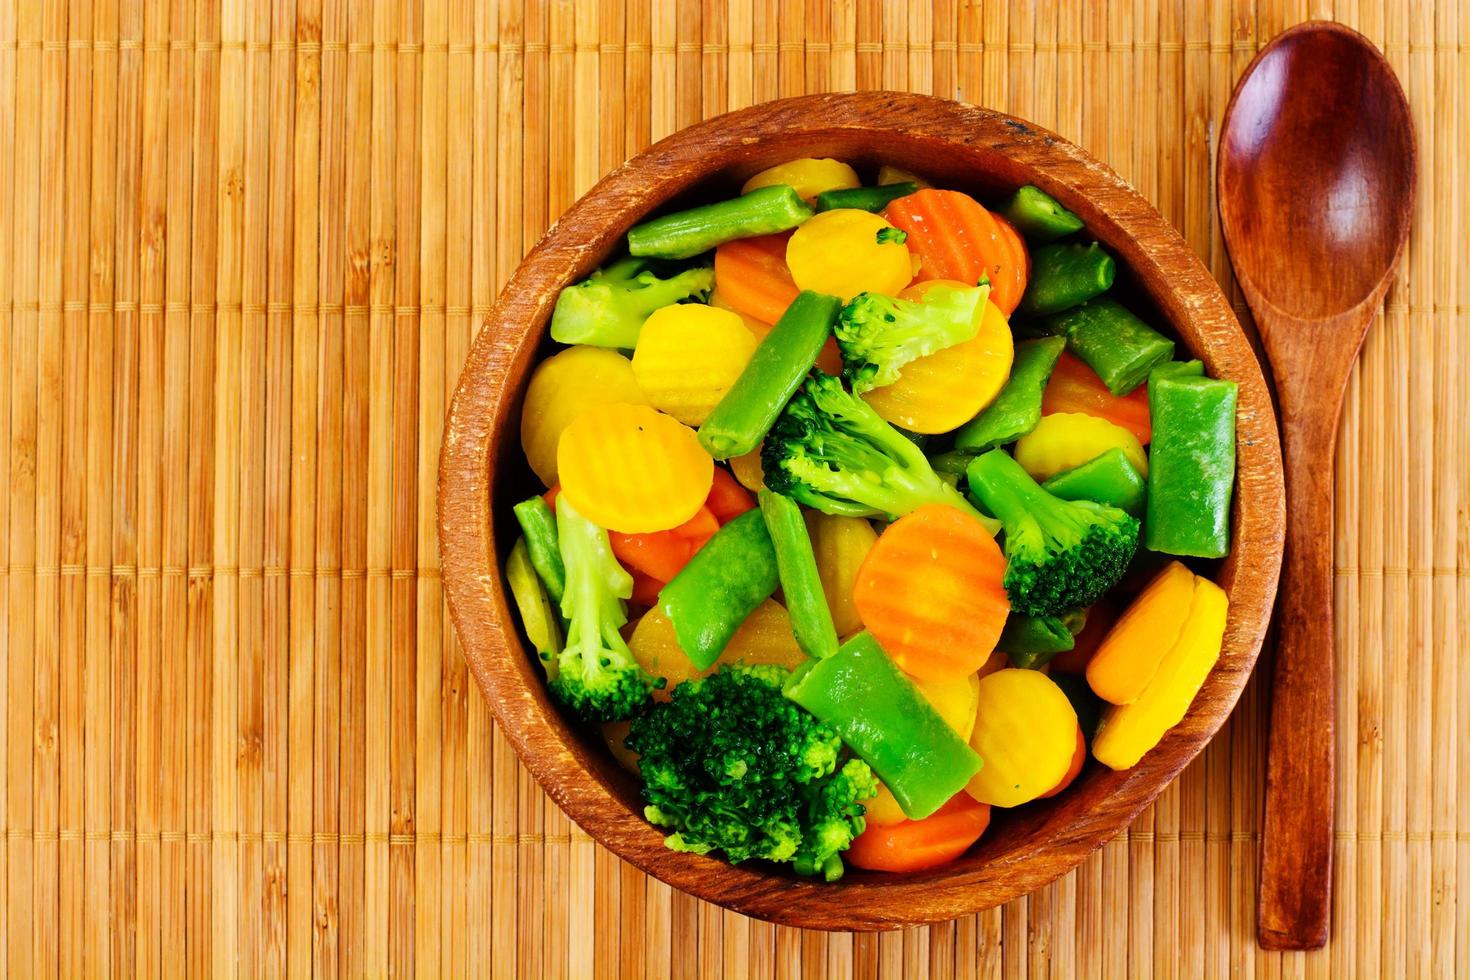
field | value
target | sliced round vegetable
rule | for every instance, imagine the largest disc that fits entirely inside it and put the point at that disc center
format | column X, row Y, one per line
column 1079, row 756
column 764, row 638
column 563, row 387
column 661, row 554
column 1026, row 731
column 748, row 470
column 846, row 252
column 1068, row 439
column 956, row 238
column 1130, row 654
column 883, row 809
column 751, row 277
column 727, row 499
column 630, row 468
column 944, row 390
column 930, row 592
column 915, row 845
column 688, row 356
column 840, row 544
column 808, row 176
column 955, row 699
column 1075, row 387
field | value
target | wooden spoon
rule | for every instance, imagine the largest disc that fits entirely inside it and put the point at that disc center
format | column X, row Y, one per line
column 1316, row 185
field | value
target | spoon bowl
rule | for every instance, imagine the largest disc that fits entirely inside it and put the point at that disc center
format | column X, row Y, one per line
column 1316, row 186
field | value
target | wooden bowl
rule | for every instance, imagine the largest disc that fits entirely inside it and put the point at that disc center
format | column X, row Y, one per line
column 482, row 473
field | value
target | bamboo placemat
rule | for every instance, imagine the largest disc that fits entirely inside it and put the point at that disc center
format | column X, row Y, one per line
column 243, row 249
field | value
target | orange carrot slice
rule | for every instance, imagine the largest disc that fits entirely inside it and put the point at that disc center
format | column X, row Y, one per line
column 930, row 592
column 752, row 278
column 913, row 845
column 956, row 238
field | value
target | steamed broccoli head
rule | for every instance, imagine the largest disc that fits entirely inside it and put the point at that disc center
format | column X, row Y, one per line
column 831, row 451
column 1060, row 554
column 608, row 308
column 595, row 674
column 730, row 764
column 879, row 334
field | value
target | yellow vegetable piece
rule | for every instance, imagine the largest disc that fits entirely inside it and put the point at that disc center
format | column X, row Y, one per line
column 748, row 470
column 1026, row 731
column 1067, row 439
column 883, row 809
column 955, row 699
column 564, row 386
column 839, row 253
column 757, row 328
column 808, row 176
column 613, row 733
column 840, row 544
column 764, row 638
column 1128, row 731
column 688, row 356
column 630, row 468
column 1129, row 654
column 894, row 175
column 946, row 389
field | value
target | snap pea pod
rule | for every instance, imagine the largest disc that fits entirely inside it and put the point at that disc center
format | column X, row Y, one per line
column 801, row 583
column 1017, row 408
column 1120, row 347
column 772, row 375
column 538, row 524
column 1106, row 479
column 1038, row 215
column 879, row 713
column 538, row 615
column 684, row 234
column 1063, row 276
column 1191, row 474
column 873, row 199
column 720, row 586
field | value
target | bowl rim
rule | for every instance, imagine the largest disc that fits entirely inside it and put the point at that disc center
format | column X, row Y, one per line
column 485, row 409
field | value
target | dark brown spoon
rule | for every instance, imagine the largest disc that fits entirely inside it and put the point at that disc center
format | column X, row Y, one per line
column 1316, row 185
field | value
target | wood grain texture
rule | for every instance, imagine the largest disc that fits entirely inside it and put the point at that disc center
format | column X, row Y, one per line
column 1318, row 148
column 1172, row 896
column 481, row 475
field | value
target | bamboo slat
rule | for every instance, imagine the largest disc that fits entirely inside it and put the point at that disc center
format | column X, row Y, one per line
column 244, row 249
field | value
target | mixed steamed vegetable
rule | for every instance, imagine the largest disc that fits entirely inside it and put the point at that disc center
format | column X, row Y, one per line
column 864, row 513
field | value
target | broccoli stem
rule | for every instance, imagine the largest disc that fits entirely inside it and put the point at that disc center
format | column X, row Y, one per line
column 1004, row 488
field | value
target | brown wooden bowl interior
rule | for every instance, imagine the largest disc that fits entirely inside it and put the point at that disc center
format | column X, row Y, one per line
column 482, row 473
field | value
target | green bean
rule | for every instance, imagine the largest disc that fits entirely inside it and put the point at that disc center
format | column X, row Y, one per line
column 801, row 584
column 538, row 524
column 1017, row 408
column 1107, row 479
column 1120, row 347
column 864, row 198
column 720, row 586
column 684, row 234
column 1191, row 474
column 1038, row 216
column 1062, row 276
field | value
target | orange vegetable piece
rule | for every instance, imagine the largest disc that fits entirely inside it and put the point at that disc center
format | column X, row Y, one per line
column 1148, row 629
column 633, row 469
column 930, row 592
column 727, row 499
column 1075, row 387
column 913, row 845
column 660, row 554
column 956, row 238
column 1074, row 770
column 1101, row 616
column 752, row 277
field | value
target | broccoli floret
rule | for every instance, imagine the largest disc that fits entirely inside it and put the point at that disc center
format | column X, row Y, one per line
column 608, row 307
column 831, row 451
column 729, row 764
column 595, row 674
column 879, row 334
column 1060, row 554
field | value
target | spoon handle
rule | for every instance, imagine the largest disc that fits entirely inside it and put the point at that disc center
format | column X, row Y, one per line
column 1296, row 846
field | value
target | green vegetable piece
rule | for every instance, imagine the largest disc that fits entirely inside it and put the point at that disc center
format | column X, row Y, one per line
column 1178, row 369
column 831, row 451
column 1031, row 641
column 720, row 586
column 801, row 584
column 873, row 199
column 1060, row 554
column 1063, row 276
column 596, row 675
column 1120, row 347
column 776, row 369
column 1107, row 479
column 731, row 765
column 684, row 234
column 538, row 524
column 1191, row 473
column 608, row 308
column 879, row 334
column 1038, row 216
column 543, row 626
column 882, row 717
column 1017, row 408
column 1085, row 702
